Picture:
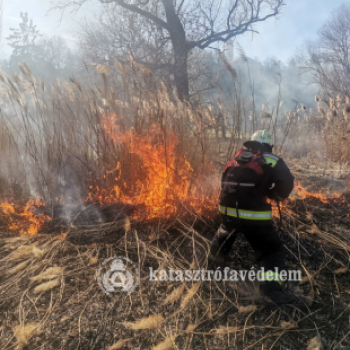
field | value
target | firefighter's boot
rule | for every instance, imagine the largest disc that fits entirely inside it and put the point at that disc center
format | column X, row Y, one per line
column 273, row 291
column 215, row 262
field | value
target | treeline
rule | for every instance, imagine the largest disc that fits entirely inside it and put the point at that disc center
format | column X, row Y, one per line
column 260, row 86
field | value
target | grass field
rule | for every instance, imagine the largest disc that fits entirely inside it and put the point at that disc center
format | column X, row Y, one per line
column 123, row 168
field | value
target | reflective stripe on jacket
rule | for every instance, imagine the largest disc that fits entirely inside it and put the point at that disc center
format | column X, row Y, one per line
column 246, row 214
column 271, row 159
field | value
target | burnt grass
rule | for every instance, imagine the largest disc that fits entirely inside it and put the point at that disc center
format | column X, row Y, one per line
column 77, row 314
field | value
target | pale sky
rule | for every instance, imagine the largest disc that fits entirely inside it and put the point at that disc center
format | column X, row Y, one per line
column 279, row 38
column 300, row 20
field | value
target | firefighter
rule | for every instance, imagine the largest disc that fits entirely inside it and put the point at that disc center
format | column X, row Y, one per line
column 254, row 175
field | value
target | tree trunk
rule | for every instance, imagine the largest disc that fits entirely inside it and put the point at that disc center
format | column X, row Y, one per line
column 181, row 50
column 180, row 72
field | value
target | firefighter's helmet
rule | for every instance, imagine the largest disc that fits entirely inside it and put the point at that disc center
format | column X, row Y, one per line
column 261, row 136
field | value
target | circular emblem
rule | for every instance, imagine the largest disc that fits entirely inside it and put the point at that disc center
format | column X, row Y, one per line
column 117, row 274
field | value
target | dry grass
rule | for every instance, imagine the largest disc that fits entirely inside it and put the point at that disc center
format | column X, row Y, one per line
column 24, row 251
column 175, row 295
column 247, row 309
column 23, row 333
column 153, row 321
column 44, row 287
column 76, row 152
column 341, row 271
column 74, row 124
column 76, row 139
column 18, row 268
column 180, row 319
column 167, row 344
column 288, row 325
column 93, row 261
column 190, row 295
column 315, row 344
column 119, row 344
column 38, row 253
column 223, row 330
column 191, row 327
column 49, row 274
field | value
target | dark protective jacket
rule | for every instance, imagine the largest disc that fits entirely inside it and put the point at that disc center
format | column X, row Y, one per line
column 246, row 186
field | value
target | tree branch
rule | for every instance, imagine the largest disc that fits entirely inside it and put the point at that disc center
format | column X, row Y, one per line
column 180, row 7
column 225, row 35
column 141, row 12
column 230, row 13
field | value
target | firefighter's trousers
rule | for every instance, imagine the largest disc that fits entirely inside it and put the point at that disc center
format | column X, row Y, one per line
column 263, row 238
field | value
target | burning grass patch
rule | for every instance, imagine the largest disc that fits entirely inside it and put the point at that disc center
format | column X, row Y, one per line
column 141, row 180
column 177, row 315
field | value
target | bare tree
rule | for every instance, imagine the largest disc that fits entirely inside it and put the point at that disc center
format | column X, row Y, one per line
column 190, row 24
column 104, row 38
column 328, row 58
column 118, row 33
column 56, row 52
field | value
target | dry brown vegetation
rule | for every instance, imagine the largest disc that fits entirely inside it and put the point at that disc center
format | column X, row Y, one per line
column 57, row 143
column 58, row 290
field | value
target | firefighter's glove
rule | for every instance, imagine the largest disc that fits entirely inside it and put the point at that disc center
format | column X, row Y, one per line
column 273, row 195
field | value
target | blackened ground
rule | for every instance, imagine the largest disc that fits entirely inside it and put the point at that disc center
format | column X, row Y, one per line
column 76, row 314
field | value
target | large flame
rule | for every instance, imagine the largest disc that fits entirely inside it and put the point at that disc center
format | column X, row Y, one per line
column 157, row 178
column 26, row 220
column 154, row 176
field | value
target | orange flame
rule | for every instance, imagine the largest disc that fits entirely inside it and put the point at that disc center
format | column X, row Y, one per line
column 25, row 220
column 157, row 176
column 301, row 193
